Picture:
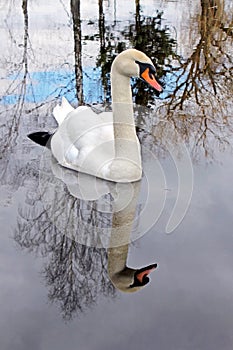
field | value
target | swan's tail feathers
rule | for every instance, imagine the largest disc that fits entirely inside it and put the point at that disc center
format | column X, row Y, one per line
column 43, row 138
column 61, row 111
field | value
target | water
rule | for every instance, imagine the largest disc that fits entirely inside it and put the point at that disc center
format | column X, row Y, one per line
column 55, row 291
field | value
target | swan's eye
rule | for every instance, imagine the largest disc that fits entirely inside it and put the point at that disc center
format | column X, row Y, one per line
column 143, row 66
column 150, row 74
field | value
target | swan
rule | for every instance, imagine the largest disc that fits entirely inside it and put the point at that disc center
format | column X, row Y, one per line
column 104, row 145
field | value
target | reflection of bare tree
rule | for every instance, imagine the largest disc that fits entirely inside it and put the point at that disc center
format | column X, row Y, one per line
column 110, row 46
column 137, row 13
column 75, row 9
column 101, row 26
column 21, row 83
column 66, row 230
column 200, row 101
column 76, row 274
column 11, row 128
column 85, row 242
column 209, row 63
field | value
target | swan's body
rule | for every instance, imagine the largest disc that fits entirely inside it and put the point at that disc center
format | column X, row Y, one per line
column 105, row 145
column 85, row 142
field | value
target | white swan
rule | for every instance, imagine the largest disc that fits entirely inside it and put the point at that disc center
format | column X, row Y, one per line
column 103, row 145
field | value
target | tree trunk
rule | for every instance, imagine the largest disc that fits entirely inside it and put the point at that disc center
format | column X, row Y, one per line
column 75, row 10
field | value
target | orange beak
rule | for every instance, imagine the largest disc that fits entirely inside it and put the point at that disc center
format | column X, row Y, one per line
column 146, row 272
column 150, row 79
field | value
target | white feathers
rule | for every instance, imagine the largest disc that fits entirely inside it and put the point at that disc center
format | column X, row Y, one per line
column 84, row 141
column 61, row 111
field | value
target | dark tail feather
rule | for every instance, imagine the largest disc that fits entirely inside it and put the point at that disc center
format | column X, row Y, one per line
column 41, row 137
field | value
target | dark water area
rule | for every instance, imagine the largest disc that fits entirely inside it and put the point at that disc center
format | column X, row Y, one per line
column 56, row 289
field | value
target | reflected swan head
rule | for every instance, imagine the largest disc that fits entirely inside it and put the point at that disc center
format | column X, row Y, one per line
column 132, row 280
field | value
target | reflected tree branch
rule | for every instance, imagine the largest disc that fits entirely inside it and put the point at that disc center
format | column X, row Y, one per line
column 200, row 101
column 12, row 127
column 76, row 274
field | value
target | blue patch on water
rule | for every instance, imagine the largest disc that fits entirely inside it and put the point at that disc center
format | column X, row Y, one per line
column 48, row 85
column 44, row 86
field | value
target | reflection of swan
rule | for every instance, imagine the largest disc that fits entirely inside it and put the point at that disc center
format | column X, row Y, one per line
column 116, row 236
column 104, row 145
column 124, row 278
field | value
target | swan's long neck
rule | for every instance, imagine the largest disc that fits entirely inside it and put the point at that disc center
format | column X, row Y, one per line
column 123, row 119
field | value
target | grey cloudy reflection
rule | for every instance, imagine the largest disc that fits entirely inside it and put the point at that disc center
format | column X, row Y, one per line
column 188, row 303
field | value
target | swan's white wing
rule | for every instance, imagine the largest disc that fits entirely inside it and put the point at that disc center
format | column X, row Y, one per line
column 62, row 110
column 92, row 137
column 84, row 141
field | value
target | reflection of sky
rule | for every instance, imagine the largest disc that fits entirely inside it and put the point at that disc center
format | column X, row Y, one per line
column 51, row 84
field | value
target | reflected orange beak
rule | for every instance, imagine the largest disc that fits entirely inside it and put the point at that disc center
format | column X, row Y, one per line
column 146, row 272
column 150, row 79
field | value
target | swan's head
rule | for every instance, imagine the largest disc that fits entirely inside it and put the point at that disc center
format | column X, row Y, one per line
column 131, row 280
column 134, row 63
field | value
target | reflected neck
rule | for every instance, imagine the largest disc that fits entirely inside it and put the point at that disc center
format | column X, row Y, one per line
column 117, row 259
column 122, row 223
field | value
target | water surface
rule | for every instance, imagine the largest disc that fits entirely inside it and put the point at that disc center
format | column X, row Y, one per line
column 55, row 292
